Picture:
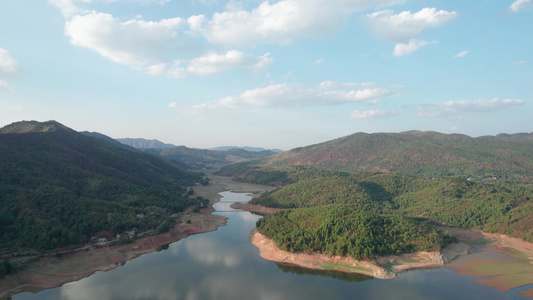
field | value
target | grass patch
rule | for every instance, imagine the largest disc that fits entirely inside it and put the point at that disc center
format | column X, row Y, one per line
column 346, row 268
column 390, row 266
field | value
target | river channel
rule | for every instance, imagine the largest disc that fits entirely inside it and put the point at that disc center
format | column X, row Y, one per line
column 223, row 264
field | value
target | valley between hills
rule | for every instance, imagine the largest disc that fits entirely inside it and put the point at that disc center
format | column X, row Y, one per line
column 370, row 199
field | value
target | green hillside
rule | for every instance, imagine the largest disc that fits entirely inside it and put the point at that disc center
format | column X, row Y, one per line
column 347, row 231
column 502, row 208
column 58, row 187
column 502, row 158
column 200, row 158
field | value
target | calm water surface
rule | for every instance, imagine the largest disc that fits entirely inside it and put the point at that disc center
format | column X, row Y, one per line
column 224, row 265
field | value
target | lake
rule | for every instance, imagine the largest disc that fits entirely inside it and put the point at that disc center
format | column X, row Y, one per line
column 223, row 264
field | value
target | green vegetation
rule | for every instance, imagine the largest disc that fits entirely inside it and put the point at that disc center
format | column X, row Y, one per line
column 502, row 158
column 59, row 187
column 200, row 158
column 347, row 231
column 5, row 268
column 276, row 176
column 457, row 202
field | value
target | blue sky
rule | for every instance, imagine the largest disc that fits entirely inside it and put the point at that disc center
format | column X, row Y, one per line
column 273, row 74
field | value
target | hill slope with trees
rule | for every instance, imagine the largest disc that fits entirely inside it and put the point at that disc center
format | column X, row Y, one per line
column 502, row 208
column 504, row 158
column 59, row 187
column 346, row 231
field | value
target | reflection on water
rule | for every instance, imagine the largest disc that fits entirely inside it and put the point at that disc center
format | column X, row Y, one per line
column 224, row 265
column 348, row 277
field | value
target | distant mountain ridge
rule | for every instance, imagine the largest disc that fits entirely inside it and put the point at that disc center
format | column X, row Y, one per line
column 507, row 157
column 140, row 143
column 249, row 149
column 202, row 157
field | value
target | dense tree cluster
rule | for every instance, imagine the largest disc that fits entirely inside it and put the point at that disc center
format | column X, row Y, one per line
column 502, row 208
column 347, row 231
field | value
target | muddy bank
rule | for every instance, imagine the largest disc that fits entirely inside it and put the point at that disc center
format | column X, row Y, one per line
column 53, row 272
column 503, row 262
column 385, row 267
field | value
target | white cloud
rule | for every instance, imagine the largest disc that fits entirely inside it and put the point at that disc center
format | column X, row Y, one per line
column 467, row 107
column 8, row 65
column 520, row 62
column 280, row 22
column 146, row 45
column 404, row 26
column 520, row 4
column 346, row 85
column 67, row 7
column 135, row 42
column 71, row 8
column 5, row 85
column 290, row 96
column 401, row 49
column 461, row 54
column 369, row 114
column 9, row 68
column 212, row 63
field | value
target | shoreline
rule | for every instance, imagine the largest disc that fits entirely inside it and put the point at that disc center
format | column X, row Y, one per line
column 509, row 264
column 384, row 267
column 52, row 272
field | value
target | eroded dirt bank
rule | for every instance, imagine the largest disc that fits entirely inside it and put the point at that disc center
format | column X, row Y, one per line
column 502, row 262
column 384, row 267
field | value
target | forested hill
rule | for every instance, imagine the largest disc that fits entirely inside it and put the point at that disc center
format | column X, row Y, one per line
column 502, row 208
column 58, row 187
column 503, row 157
column 347, row 231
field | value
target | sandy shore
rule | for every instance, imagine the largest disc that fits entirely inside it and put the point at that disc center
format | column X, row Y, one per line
column 384, row 267
column 503, row 262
